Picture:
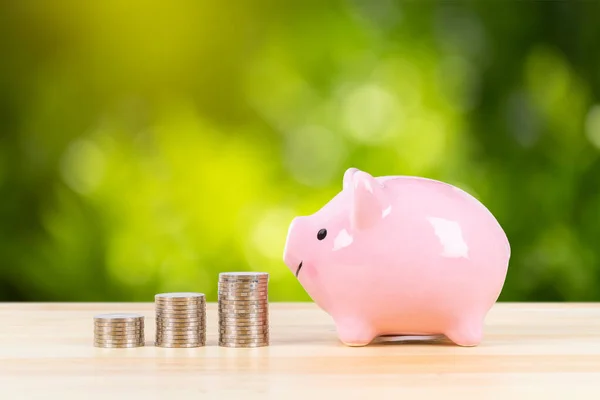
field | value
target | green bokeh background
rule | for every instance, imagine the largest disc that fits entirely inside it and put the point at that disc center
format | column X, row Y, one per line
column 146, row 146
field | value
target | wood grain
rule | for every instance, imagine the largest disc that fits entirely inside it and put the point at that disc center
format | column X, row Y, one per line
column 530, row 351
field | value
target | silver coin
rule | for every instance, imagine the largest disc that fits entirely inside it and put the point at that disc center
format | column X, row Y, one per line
column 250, row 297
column 170, row 316
column 242, row 331
column 194, row 328
column 241, row 321
column 179, row 345
column 263, row 306
column 186, row 339
column 118, row 317
column 189, row 310
column 242, row 313
column 234, row 307
column 254, row 336
column 242, row 288
column 184, row 310
column 180, row 304
column 241, row 294
column 226, row 316
column 117, row 343
column 117, row 337
column 177, row 319
column 116, row 346
column 236, row 291
column 180, row 333
column 120, row 331
column 179, row 324
column 244, row 341
column 119, row 323
column 243, row 328
column 243, row 281
column 242, row 345
column 183, row 329
column 243, row 302
column 243, row 274
column 171, row 341
column 112, row 328
column 179, row 296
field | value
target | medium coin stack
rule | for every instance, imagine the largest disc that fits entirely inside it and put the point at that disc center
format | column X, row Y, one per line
column 180, row 319
column 118, row 330
column 243, row 309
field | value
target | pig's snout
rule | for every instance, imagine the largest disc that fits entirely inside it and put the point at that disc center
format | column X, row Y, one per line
column 291, row 258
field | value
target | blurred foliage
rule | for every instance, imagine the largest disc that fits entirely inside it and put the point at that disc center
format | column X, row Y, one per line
column 146, row 146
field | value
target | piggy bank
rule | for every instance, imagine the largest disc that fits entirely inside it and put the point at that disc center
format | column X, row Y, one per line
column 400, row 255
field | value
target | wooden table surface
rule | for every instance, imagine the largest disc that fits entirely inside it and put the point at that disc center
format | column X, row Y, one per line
column 529, row 351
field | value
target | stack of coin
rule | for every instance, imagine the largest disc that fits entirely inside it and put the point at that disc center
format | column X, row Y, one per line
column 243, row 309
column 118, row 330
column 180, row 319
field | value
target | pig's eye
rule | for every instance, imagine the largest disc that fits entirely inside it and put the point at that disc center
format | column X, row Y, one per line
column 322, row 234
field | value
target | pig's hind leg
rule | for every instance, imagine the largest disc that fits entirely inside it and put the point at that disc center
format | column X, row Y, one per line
column 355, row 332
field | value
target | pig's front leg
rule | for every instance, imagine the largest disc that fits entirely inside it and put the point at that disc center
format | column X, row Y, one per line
column 467, row 333
column 355, row 332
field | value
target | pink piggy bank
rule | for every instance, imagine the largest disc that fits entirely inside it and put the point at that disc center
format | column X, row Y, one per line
column 400, row 255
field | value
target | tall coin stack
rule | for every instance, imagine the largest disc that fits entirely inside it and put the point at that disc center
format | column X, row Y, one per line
column 118, row 330
column 243, row 309
column 180, row 319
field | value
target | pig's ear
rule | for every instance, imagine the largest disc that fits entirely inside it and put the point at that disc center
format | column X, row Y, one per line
column 348, row 177
column 368, row 201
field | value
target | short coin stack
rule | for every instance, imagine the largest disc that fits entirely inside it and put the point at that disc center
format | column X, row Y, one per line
column 243, row 309
column 118, row 330
column 180, row 319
